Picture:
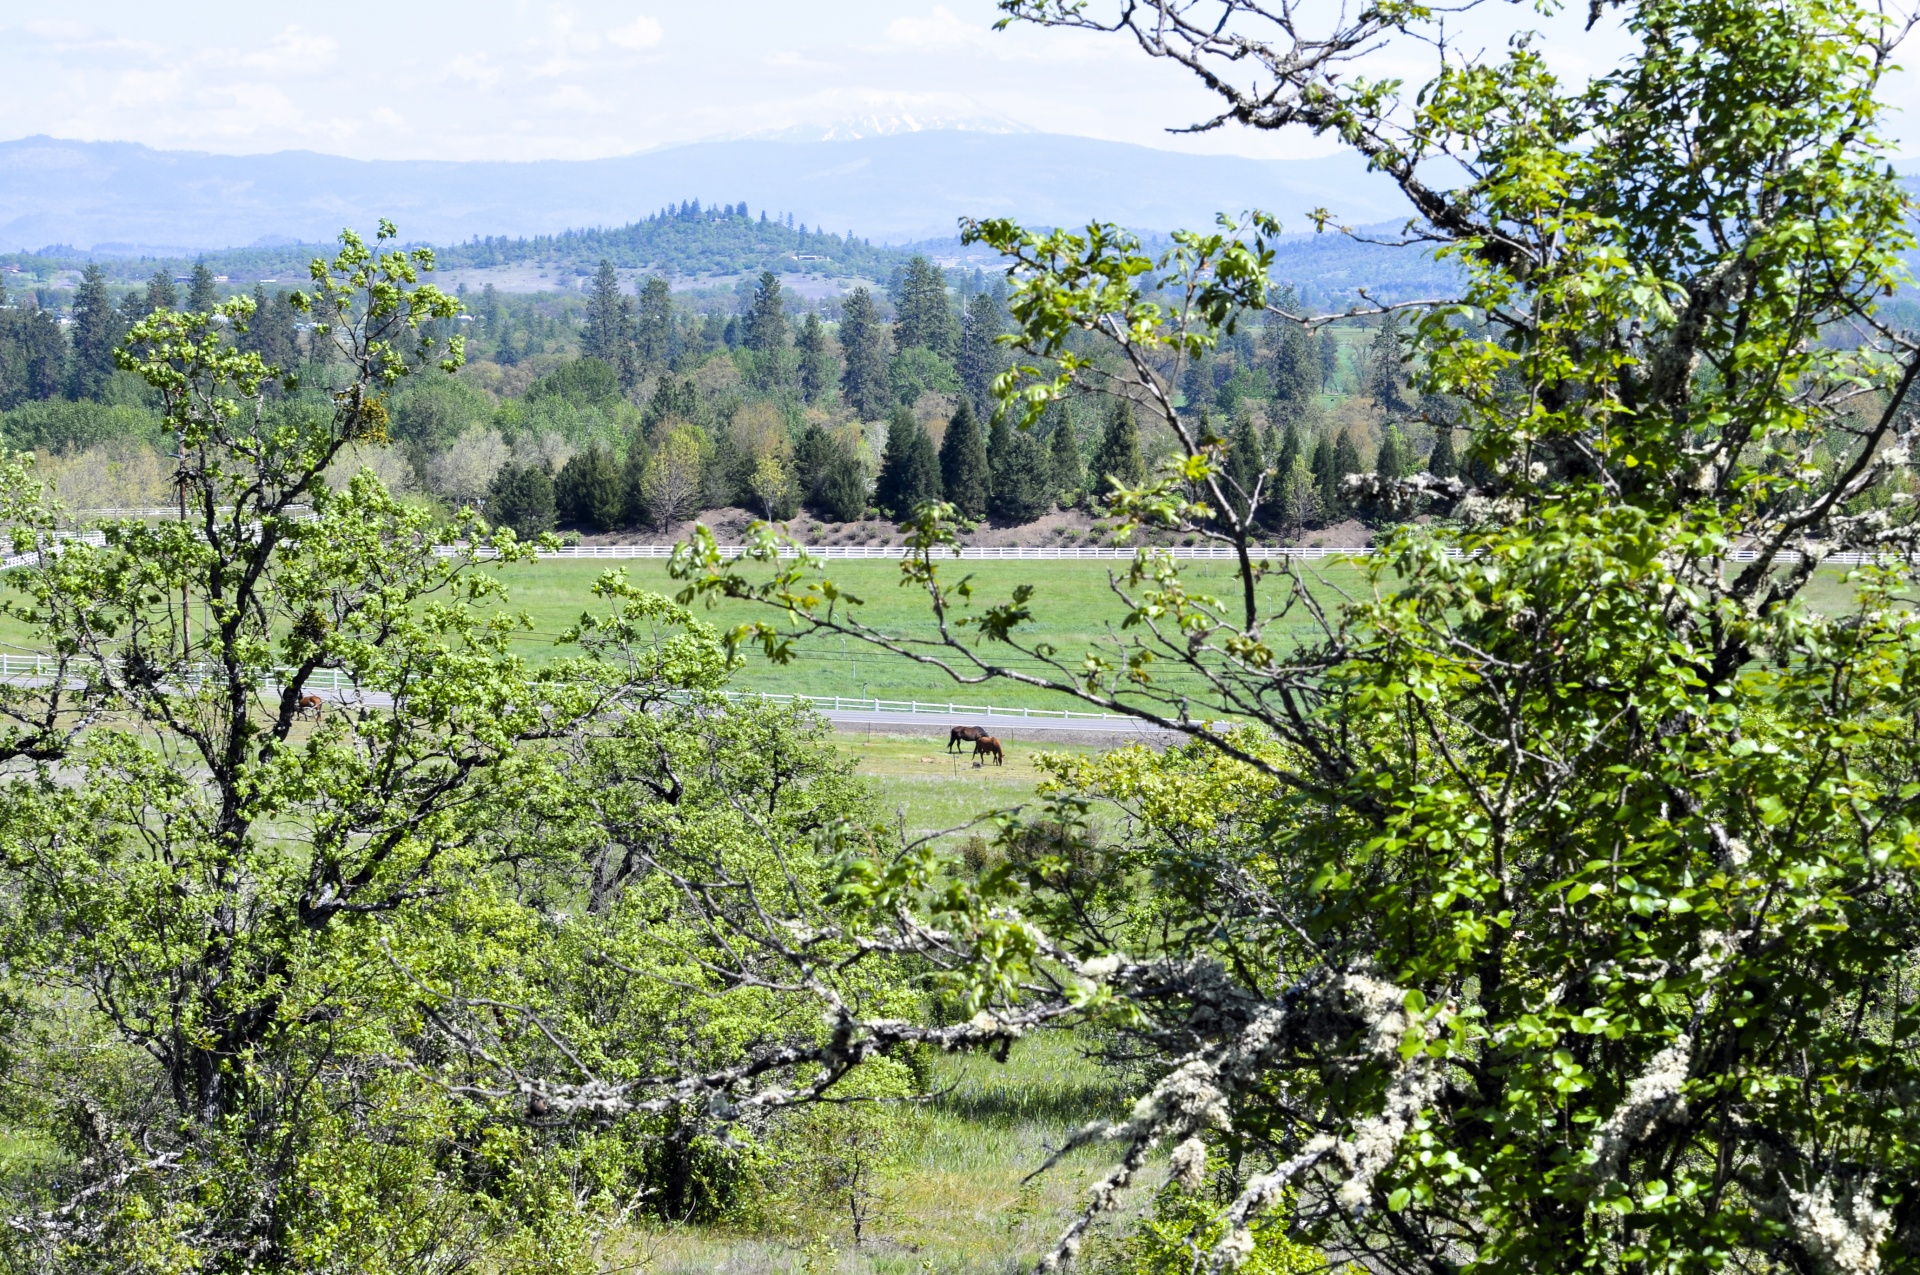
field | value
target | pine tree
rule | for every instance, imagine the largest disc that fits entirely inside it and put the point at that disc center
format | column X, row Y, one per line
column 270, row 332
column 1326, row 481
column 161, row 294
column 1117, row 459
column 202, row 295
column 677, row 401
column 653, row 326
column 608, row 335
column 909, row 470
column 766, row 323
column 1384, row 369
column 863, row 342
column 33, row 354
column 1392, row 462
column 633, row 480
column 841, row 494
column 1244, row 467
column 922, row 314
column 816, row 360
column 980, row 358
column 1346, row 460
column 1063, row 453
column 1017, row 491
column 1329, row 357
column 1288, row 451
column 965, row 475
column 1441, row 462
column 588, row 491
column 521, row 497
column 96, row 331
column 1295, row 367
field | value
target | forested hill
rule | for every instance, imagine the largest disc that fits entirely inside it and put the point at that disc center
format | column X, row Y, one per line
column 687, row 241
column 690, row 240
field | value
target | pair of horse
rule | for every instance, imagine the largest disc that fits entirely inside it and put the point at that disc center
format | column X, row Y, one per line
column 984, row 745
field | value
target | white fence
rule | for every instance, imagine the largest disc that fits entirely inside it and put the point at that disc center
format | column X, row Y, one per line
column 999, row 553
column 1091, row 553
column 928, row 708
column 970, row 553
column 32, row 669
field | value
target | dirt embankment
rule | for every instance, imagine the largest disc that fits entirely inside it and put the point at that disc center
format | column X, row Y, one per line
column 1061, row 527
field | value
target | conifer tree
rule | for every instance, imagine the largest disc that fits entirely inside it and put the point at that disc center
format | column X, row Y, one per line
column 922, row 314
column 1326, row 481
column 588, row 491
column 964, row 471
column 653, row 326
column 1294, row 368
column 1018, row 469
column 980, row 358
column 863, row 380
column 1385, row 374
column 634, row 511
column 671, row 400
column 1245, row 466
column 833, row 483
column 909, row 470
column 1392, row 460
column 766, row 323
column 1117, row 459
column 96, row 331
column 816, row 360
column 1063, row 452
column 1329, row 357
column 608, row 335
column 270, row 332
column 1288, row 451
column 521, row 497
column 161, row 294
column 1345, row 461
column 202, row 295
column 1441, row 462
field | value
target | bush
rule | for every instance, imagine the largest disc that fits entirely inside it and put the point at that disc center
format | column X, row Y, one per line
column 57, row 425
column 1183, row 1224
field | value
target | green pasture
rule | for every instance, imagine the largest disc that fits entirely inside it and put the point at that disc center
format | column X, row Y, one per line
column 1074, row 607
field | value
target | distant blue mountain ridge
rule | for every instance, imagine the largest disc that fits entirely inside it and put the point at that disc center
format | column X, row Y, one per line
column 120, row 198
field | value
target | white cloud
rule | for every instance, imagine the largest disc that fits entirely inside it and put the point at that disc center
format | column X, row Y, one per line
column 294, row 49
column 474, row 69
column 573, row 97
column 641, row 33
column 937, row 30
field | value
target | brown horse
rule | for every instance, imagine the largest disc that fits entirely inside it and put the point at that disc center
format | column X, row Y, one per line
column 988, row 746
column 963, row 735
column 309, row 706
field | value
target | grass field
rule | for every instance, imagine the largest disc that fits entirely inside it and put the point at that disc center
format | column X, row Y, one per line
column 1074, row 609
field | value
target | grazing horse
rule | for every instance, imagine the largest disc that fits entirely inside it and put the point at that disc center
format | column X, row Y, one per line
column 963, row 735
column 309, row 706
column 988, row 746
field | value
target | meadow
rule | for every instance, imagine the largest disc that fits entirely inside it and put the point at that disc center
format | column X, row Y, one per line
column 1074, row 608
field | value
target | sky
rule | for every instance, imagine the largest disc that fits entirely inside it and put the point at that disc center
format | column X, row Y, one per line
column 521, row 79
